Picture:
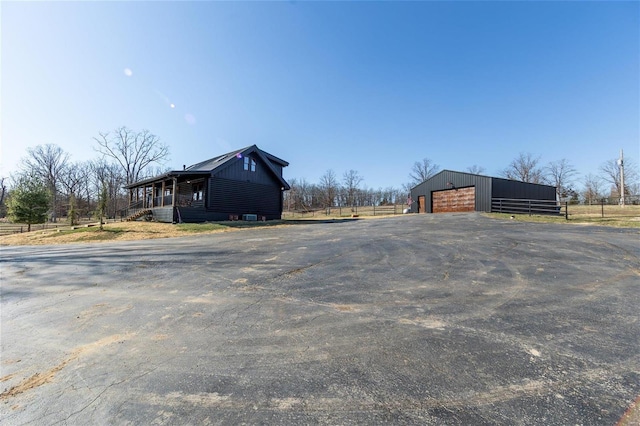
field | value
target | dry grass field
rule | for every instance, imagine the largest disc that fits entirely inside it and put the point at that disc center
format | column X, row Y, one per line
column 608, row 215
column 338, row 212
column 626, row 217
column 117, row 231
column 599, row 211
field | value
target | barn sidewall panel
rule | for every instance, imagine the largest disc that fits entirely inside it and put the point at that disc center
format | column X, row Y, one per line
column 504, row 188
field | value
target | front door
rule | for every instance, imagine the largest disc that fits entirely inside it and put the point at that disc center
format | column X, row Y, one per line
column 422, row 205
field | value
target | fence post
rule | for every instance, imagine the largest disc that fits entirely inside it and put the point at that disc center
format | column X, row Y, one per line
column 529, row 207
column 566, row 210
column 602, row 206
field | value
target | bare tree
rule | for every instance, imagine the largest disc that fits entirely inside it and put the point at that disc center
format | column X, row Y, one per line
column 71, row 180
column 611, row 174
column 48, row 162
column 329, row 186
column 85, row 190
column 300, row 196
column 103, row 200
column 476, row 170
column 3, row 195
column 561, row 174
column 134, row 151
column 308, row 196
column 387, row 196
column 351, row 180
column 422, row 171
column 592, row 189
column 524, row 168
column 111, row 176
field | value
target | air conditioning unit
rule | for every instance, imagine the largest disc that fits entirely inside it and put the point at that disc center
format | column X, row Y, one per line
column 249, row 217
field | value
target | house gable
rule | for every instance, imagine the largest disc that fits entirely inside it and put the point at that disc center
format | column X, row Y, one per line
column 248, row 165
column 252, row 165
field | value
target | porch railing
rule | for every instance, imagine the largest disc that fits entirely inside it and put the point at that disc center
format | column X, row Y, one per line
column 136, row 206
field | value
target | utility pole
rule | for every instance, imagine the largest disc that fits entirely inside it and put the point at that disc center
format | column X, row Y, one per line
column 621, row 164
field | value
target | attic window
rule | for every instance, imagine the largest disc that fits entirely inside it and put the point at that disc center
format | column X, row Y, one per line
column 249, row 164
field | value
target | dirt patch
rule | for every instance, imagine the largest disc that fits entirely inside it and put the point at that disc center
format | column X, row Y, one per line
column 7, row 377
column 632, row 415
column 345, row 308
column 36, row 380
column 40, row 379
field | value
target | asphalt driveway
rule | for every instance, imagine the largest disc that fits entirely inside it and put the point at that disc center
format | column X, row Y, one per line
column 415, row 319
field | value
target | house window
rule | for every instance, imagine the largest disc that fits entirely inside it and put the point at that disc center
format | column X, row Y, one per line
column 198, row 191
column 249, row 164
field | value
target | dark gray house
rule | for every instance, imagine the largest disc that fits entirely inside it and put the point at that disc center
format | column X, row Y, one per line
column 449, row 191
column 244, row 184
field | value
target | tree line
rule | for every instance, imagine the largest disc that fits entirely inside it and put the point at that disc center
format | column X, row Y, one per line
column 50, row 186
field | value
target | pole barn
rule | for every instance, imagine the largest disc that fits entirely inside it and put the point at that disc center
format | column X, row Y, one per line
column 450, row 191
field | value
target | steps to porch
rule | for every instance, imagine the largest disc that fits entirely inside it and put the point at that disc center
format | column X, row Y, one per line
column 138, row 214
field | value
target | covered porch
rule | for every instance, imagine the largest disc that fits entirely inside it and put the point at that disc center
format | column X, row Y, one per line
column 159, row 197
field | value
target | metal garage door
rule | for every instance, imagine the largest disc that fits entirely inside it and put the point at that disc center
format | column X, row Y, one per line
column 454, row 200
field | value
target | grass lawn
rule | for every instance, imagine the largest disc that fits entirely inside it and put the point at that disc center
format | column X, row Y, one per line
column 622, row 217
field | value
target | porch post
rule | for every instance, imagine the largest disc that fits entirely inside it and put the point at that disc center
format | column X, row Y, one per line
column 173, row 193
column 164, row 186
column 153, row 193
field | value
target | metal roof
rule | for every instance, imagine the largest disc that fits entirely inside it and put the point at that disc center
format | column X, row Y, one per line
column 210, row 165
column 447, row 171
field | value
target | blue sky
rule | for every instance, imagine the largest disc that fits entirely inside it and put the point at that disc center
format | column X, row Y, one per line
column 368, row 86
